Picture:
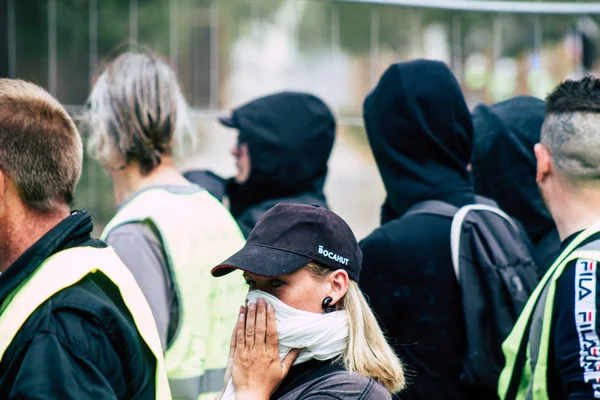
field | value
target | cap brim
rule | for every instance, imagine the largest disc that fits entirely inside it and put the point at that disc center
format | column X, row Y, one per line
column 227, row 120
column 263, row 261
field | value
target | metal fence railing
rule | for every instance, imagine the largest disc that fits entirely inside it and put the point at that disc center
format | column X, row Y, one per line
column 52, row 11
column 228, row 51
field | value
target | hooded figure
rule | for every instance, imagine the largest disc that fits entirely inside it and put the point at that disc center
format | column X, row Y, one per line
column 420, row 131
column 287, row 139
column 504, row 168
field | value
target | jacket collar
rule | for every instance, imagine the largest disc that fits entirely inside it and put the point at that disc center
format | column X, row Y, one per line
column 73, row 231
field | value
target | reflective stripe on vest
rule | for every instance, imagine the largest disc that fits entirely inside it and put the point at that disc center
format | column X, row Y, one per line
column 525, row 372
column 197, row 233
column 65, row 269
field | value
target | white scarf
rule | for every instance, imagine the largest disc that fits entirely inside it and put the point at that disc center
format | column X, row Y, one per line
column 321, row 336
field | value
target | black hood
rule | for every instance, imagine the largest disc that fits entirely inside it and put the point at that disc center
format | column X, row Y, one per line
column 289, row 136
column 504, row 164
column 420, row 131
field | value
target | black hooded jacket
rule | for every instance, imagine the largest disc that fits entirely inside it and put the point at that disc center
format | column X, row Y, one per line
column 290, row 137
column 420, row 131
column 80, row 344
column 504, row 168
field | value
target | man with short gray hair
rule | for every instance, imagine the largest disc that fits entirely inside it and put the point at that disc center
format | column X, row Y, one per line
column 73, row 322
column 553, row 351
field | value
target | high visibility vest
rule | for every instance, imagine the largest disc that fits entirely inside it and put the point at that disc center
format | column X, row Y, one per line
column 526, row 348
column 65, row 269
column 197, row 233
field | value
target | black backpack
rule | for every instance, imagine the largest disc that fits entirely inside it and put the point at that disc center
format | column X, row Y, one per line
column 496, row 272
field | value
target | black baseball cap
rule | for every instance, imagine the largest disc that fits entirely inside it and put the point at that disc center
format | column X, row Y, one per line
column 289, row 236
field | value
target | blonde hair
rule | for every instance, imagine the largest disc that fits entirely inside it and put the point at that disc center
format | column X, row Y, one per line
column 136, row 112
column 40, row 148
column 368, row 352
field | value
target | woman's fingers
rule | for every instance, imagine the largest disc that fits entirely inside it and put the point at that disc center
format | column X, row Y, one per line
column 289, row 360
column 271, row 340
column 250, row 324
column 261, row 323
column 240, row 342
column 234, row 334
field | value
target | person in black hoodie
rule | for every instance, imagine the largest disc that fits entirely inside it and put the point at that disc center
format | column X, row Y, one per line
column 419, row 128
column 284, row 143
column 504, row 168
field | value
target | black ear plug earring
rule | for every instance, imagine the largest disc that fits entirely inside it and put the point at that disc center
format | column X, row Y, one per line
column 327, row 307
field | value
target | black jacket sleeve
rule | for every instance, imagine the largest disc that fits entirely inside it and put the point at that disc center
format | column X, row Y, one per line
column 51, row 370
column 575, row 347
column 70, row 353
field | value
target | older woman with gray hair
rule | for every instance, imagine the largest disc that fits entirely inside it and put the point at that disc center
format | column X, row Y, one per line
column 168, row 231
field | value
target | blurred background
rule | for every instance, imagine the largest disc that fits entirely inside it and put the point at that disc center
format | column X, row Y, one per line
column 228, row 52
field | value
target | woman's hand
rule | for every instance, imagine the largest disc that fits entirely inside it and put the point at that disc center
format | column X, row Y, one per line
column 229, row 369
column 257, row 369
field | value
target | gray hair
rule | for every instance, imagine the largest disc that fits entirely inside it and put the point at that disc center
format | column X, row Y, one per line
column 136, row 112
column 573, row 139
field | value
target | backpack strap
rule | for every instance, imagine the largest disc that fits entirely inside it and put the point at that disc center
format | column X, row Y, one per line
column 432, row 207
column 484, row 200
column 458, row 215
column 456, row 229
column 438, row 207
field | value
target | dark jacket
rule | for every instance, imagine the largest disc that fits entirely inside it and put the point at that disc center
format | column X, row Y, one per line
column 81, row 343
column 574, row 342
column 420, row 131
column 504, row 168
column 328, row 380
column 290, row 137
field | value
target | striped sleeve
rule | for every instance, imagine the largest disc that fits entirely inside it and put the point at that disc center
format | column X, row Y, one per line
column 585, row 299
column 575, row 357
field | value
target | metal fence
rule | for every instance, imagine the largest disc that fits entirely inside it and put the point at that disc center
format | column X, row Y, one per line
column 201, row 65
column 228, row 51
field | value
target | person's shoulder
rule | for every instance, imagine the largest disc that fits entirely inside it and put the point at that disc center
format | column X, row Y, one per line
column 90, row 322
column 410, row 231
column 93, row 307
column 132, row 228
column 93, row 301
column 345, row 385
column 579, row 272
column 73, row 315
column 377, row 391
column 212, row 182
column 364, row 386
column 133, row 234
column 577, row 283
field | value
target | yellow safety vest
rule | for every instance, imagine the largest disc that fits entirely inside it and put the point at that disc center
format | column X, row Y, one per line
column 65, row 269
column 197, row 233
column 527, row 347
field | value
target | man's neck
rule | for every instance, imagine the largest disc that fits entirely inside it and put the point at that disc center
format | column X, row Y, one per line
column 23, row 228
column 576, row 212
column 130, row 180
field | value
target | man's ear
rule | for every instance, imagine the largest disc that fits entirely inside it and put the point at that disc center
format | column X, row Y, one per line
column 339, row 282
column 545, row 165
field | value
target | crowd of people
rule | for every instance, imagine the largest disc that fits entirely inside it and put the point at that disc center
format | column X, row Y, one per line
column 480, row 283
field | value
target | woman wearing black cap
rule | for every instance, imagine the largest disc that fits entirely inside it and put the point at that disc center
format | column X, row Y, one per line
column 302, row 265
